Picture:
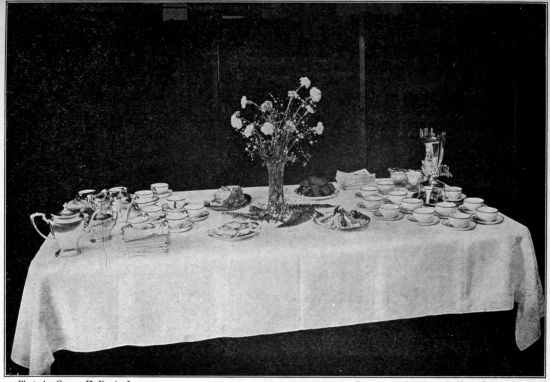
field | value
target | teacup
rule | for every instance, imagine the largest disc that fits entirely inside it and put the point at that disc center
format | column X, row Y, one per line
column 411, row 204
column 473, row 204
column 459, row 219
column 176, row 218
column 396, row 196
column 414, row 177
column 424, row 214
column 169, row 208
column 373, row 201
column 144, row 195
column 159, row 188
column 389, row 211
column 487, row 214
column 140, row 203
column 117, row 191
column 445, row 208
column 154, row 212
column 398, row 176
column 194, row 209
column 453, row 193
column 368, row 191
column 139, row 222
column 384, row 185
column 177, row 201
column 83, row 194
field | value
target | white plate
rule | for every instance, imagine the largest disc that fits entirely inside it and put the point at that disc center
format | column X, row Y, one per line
column 182, row 227
column 318, row 197
column 434, row 220
column 256, row 230
column 195, row 219
column 365, row 220
column 379, row 216
column 469, row 227
column 498, row 220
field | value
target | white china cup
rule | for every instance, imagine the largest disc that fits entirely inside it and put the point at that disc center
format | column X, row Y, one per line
column 117, row 191
column 139, row 222
column 176, row 201
column 373, row 201
column 423, row 214
column 452, row 192
column 84, row 193
column 473, row 204
column 159, row 188
column 487, row 214
column 445, row 208
column 459, row 219
column 396, row 196
column 385, row 185
column 368, row 191
column 411, row 204
column 144, row 196
column 194, row 209
column 398, row 176
column 389, row 211
column 176, row 218
column 169, row 208
column 154, row 212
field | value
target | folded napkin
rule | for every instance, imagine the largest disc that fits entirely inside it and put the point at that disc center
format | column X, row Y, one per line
column 354, row 180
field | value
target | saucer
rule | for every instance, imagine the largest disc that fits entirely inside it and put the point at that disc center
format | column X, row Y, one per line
column 195, row 219
column 405, row 211
column 362, row 205
column 164, row 195
column 185, row 226
column 441, row 216
column 465, row 210
column 434, row 220
column 471, row 225
column 379, row 216
column 459, row 199
column 498, row 220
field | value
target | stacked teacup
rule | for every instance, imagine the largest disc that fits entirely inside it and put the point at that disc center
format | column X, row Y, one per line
column 143, row 198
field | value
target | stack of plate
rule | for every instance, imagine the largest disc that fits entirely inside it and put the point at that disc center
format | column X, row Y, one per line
column 354, row 180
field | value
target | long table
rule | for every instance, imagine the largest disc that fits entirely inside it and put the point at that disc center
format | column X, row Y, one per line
column 282, row 280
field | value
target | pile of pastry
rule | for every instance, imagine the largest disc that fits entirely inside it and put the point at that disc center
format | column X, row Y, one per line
column 228, row 196
column 315, row 187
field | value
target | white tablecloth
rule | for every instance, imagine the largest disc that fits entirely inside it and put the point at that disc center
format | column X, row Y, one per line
column 282, row 280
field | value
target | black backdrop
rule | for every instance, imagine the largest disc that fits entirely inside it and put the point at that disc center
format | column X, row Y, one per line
column 110, row 94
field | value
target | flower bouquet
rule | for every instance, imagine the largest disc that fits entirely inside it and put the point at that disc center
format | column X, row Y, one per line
column 278, row 132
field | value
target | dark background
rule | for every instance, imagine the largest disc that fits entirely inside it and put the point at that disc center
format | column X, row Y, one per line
column 100, row 95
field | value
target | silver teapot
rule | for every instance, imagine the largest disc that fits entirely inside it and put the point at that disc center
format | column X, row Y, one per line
column 67, row 228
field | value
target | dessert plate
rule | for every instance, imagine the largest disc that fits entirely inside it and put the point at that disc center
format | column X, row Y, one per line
column 379, row 216
column 335, row 194
column 246, row 201
column 202, row 216
column 469, row 227
column 433, row 221
column 361, row 218
column 231, row 231
column 498, row 220
column 185, row 226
